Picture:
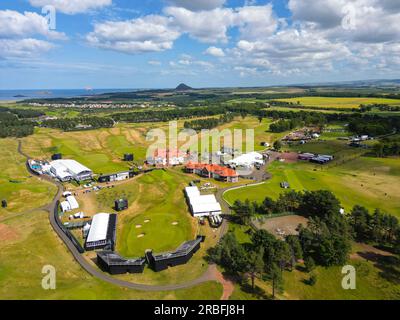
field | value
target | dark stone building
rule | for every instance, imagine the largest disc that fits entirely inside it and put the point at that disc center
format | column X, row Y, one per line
column 182, row 255
column 121, row 204
column 113, row 263
column 56, row 156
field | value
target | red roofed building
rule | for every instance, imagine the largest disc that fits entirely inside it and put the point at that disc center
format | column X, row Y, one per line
column 163, row 157
column 213, row 171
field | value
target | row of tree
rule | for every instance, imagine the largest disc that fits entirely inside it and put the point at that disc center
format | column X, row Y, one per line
column 325, row 241
column 79, row 123
column 208, row 123
column 11, row 126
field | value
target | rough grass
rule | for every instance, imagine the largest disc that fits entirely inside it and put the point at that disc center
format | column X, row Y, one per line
column 376, row 279
column 22, row 259
column 23, row 192
column 371, row 182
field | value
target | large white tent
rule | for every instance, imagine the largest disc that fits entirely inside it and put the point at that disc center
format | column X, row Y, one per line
column 247, row 160
column 202, row 205
column 66, row 170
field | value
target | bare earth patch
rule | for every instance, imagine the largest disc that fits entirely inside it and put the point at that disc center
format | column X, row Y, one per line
column 7, row 233
column 282, row 226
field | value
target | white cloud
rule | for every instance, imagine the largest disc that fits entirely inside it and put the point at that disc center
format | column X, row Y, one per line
column 148, row 34
column 154, row 63
column 256, row 22
column 216, row 52
column 22, row 48
column 14, row 24
column 72, row 6
column 197, row 5
column 205, row 26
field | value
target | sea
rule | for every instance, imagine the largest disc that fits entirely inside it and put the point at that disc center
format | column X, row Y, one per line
column 19, row 95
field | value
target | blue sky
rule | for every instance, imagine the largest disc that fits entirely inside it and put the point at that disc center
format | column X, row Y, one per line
column 204, row 43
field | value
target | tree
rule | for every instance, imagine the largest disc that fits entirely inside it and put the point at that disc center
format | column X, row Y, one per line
column 255, row 265
column 320, row 204
column 295, row 248
column 243, row 211
column 360, row 222
column 277, row 145
column 309, row 263
column 277, row 279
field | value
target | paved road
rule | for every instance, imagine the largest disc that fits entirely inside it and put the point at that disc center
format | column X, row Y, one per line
column 209, row 275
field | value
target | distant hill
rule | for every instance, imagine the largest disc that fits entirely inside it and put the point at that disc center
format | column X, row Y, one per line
column 183, row 87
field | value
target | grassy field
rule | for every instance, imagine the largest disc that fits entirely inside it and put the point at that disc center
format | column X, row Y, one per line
column 102, row 150
column 371, row 182
column 22, row 191
column 345, row 103
column 30, row 238
column 375, row 279
column 158, row 218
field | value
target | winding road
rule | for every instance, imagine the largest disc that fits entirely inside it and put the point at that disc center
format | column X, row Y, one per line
column 208, row 275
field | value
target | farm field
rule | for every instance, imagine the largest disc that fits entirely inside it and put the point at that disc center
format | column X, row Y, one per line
column 328, row 102
column 371, row 182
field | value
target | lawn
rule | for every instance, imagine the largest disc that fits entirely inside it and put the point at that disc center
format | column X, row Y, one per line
column 345, row 103
column 371, row 182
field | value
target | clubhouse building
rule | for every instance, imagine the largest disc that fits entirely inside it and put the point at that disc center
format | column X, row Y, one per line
column 213, row 171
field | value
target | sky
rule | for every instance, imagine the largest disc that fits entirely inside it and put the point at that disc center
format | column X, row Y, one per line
column 73, row 44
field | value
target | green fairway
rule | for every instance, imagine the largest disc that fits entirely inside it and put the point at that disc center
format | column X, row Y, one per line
column 371, row 182
column 346, row 103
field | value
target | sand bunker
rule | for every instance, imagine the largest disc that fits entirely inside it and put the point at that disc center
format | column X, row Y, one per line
column 147, row 221
column 138, row 226
column 141, row 235
column 175, row 223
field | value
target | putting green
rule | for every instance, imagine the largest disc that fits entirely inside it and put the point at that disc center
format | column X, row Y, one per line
column 157, row 197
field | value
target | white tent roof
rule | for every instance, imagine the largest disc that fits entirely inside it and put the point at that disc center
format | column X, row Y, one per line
column 71, row 166
column 247, row 159
column 199, row 208
column 209, row 198
column 99, row 227
column 65, row 206
column 72, row 202
column 192, row 192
